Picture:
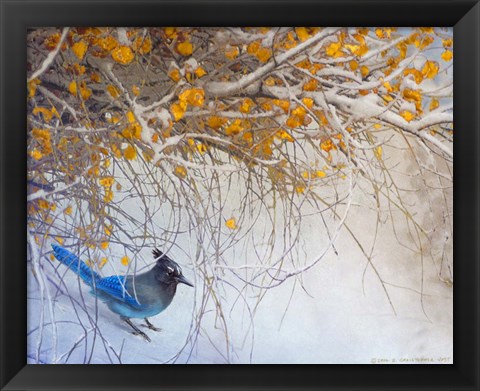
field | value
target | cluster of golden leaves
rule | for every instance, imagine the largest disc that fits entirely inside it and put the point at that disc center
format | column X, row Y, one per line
column 263, row 127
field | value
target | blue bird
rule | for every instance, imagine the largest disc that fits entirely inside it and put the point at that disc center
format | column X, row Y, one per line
column 142, row 296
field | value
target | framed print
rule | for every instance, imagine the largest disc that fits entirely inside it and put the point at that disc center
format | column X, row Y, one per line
column 232, row 184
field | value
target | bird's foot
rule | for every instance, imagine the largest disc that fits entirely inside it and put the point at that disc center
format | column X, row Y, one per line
column 152, row 327
column 141, row 333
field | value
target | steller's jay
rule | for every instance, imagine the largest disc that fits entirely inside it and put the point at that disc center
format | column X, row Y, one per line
column 142, row 296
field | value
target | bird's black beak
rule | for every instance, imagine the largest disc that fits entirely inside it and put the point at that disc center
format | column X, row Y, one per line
column 183, row 280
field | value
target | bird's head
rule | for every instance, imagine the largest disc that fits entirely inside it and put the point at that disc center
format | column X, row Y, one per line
column 168, row 271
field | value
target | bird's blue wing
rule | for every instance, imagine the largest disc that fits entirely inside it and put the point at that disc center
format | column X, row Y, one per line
column 116, row 287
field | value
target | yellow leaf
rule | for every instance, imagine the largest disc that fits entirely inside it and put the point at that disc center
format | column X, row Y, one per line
column 246, row 105
column 327, row 145
column 104, row 245
column 234, row 128
column 311, row 85
column 78, row 69
column 130, row 117
column 428, row 30
column 174, row 74
column 379, row 33
column 32, row 87
column 248, row 137
column 402, row 50
column 269, row 81
column 108, row 197
column 447, row 43
column 43, row 136
column 202, row 148
column 353, row 65
column 306, row 174
column 170, row 32
column 123, row 55
column 232, row 52
column 43, row 204
column 108, row 230
column 113, row 91
column 54, row 111
column 216, row 122
column 102, row 263
column 321, row 174
column 427, row 41
column 364, row 70
column 79, row 49
column 353, row 48
column 293, row 121
column 130, row 153
column 418, row 76
column 185, row 48
column 263, row 54
column 283, row 104
column 200, row 72
column 430, row 69
column 302, row 33
column 253, row 47
column 300, row 189
column 36, row 154
column 284, row 135
column 407, row 115
column 68, row 210
column 107, row 44
column 334, row 49
column 125, row 260
column 194, row 96
column 72, row 88
column 231, row 223
column 180, row 171
column 51, row 41
column 308, row 102
column 135, row 90
column 378, row 152
column 95, row 77
column 85, row 92
column 106, row 181
column 447, row 55
column 46, row 113
column 178, row 110
column 434, row 104
column 143, row 46
column 412, row 95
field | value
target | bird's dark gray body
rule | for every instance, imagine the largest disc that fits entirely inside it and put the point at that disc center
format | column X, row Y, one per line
column 152, row 295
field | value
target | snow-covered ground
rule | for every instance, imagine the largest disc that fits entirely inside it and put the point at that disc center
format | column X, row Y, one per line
column 340, row 315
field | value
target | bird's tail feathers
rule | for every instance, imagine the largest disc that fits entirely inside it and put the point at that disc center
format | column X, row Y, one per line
column 88, row 275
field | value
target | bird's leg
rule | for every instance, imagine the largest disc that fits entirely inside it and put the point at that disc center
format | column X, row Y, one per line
column 137, row 330
column 151, row 326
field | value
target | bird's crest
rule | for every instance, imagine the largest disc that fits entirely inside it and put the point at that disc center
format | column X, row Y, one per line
column 159, row 256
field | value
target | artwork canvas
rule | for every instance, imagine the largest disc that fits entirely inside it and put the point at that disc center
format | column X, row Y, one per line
column 244, row 195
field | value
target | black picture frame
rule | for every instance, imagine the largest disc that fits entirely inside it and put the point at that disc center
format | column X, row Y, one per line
column 17, row 15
